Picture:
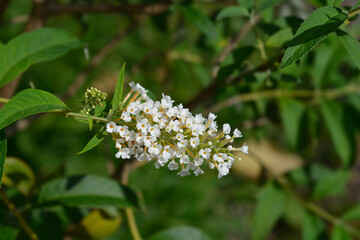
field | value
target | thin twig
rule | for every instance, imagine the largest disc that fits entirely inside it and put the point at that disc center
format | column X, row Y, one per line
column 24, row 225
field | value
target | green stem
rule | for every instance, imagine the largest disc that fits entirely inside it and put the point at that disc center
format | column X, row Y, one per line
column 3, row 100
column 353, row 12
column 83, row 116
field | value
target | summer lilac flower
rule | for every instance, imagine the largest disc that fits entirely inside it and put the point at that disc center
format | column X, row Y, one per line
column 171, row 136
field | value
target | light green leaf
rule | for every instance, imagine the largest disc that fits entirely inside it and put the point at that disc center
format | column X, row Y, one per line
column 294, row 212
column 333, row 113
column 355, row 7
column 267, row 212
column 312, row 228
column 44, row 44
column 351, row 45
column 331, row 185
column 352, row 214
column 28, row 102
column 232, row 12
column 202, row 22
column 3, row 148
column 280, row 38
column 94, row 141
column 90, row 121
column 339, row 233
column 313, row 30
column 118, row 90
column 264, row 4
column 246, row 3
column 334, row 2
column 291, row 114
column 180, row 233
column 85, row 191
column 1, row 46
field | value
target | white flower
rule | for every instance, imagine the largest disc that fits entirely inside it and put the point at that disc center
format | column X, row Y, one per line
column 139, row 137
column 166, row 101
column 194, row 142
column 220, row 157
column 211, row 117
column 122, row 130
column 198, row 161
column 148, row 140
column 155, row 149
column 168, row 152
column 184, row 159
column 155, row 130
column 110, row 127
column 174, row 124
column 179, row 136
column 237, row 133
column 142, row 125
column 198, row 171
column 173, row 165
column 205, row 153
column 245, row 149
column 183, row 143
column 126, row 116
column 123, row 153
column 223, row 169
column 183, row 173
column 226, row 128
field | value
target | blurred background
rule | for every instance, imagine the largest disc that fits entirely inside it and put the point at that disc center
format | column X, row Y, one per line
column 301, row 123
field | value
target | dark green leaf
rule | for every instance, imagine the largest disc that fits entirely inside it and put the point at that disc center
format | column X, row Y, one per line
column 201, row 21
column 294, row 212
column 8, row 232
column 352, row 214
column 331, row 184
column 355, row 7
column 267, row 212
column 118, row 90
column 291, row 114
column 333, row 113
column 339, row 233
column 86, row 191
column 180, row 233
column 94, row 141
column 280, row 38
column 313, row 227
column 3, row 149
column 41, row 45
column 29, row 102
column 264, row 4
column 232, row 12
column 313, row 30
column 246, row 3
column 351, row 45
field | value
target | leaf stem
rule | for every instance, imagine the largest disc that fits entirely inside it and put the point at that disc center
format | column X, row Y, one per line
column 4, row 100
column 85, row 117
column 24, row 225
column 353, row 12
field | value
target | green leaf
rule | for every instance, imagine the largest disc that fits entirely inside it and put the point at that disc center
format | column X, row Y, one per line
column 180, row 233
column 90, row 121
column 44, row 44
column 232, row 12
column 313, row 30
column 352, row 214
column 3, row 148
column 280, row 38
column 269, row 208
column 294, row 211
column 339, row 233
column 94, row 141
column 332, row 114
column 8, row 232
column 264, row 4
column 334, row 2
column 291, row 113
column 118, row 90
column 85, row 191
column 29, row 102
column 312, row 228
column 355, row 7
column 331, row 185
column 246, row 3
column 202, row 22
column 351, row 45
column 1, row 46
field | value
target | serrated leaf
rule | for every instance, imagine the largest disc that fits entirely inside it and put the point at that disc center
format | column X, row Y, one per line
column 118, row 90
column 29, row 102
column 333, row 113
column 3, row 148
column 202, row 22
column 312, row 228
column 94, row 141
column 312, row 31
column 352, row 214
column 85, row 191
column 264, row 4
column 232, row 11
column 180, row 233
column 339, row 233
column 280, row 38
column 291, row 113
column 331, row 185
column 351, row 45
column 267, row 212
column 44, row 44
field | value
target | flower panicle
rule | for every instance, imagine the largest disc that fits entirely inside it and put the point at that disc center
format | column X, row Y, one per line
column 172, row 136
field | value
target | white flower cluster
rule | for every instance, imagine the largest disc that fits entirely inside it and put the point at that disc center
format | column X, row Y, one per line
column 171, row 135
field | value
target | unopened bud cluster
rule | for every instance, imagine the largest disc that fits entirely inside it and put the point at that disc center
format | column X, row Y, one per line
column 171, row 136
column 92, row 98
